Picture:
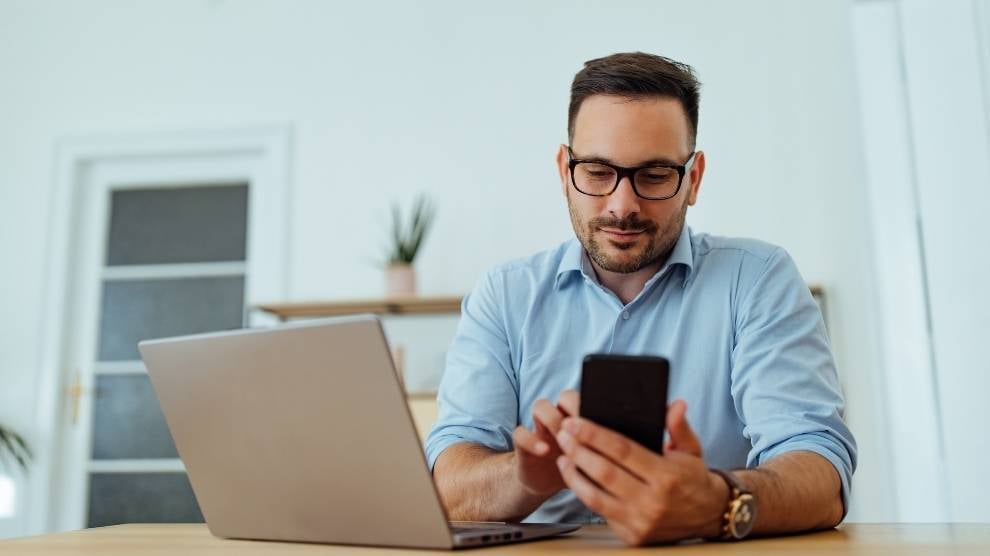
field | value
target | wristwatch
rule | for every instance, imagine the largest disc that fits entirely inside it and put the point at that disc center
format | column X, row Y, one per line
column 740, row 514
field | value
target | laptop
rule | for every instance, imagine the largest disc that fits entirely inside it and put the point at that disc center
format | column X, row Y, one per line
column 301, row 432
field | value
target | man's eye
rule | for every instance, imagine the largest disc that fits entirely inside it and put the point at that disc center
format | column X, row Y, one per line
column 657, row 176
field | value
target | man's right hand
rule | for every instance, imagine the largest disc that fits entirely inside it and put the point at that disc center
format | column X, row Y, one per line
column 476, row 483
column 536, row 451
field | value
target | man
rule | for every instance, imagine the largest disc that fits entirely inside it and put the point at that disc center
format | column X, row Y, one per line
column 751, row 370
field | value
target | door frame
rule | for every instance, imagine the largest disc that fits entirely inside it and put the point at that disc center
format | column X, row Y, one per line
column 269, row 261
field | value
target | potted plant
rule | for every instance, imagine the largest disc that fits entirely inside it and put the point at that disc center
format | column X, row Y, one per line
column 406, row 241
column 14, row 445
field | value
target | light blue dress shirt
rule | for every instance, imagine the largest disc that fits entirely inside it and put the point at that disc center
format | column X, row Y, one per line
column 745, row 339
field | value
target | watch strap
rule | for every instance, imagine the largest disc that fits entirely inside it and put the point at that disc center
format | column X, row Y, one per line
column 739, row 507
column 735, row 485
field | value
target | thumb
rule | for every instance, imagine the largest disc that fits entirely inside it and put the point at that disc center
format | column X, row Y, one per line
column 682, row 438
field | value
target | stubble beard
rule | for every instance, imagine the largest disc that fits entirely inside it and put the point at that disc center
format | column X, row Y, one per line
column 660, row 241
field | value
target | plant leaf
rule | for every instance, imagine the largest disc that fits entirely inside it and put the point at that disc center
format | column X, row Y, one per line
column 395, row 254
column 14, row 444
column 422, row 218
column 406, row 241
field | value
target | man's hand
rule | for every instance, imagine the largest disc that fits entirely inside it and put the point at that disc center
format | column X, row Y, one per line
column 536, row 451
column 644, row 496
column 476, row 483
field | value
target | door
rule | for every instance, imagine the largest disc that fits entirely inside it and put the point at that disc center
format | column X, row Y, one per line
column 162, row 247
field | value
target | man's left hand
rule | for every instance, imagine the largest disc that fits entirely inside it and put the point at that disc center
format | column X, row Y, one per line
column 646, row 497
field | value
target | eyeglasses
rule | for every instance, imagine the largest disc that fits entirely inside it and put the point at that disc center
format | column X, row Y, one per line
column 654, row 182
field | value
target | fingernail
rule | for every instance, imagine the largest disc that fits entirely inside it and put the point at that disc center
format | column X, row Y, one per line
column 570, row 425
column 564, row 440
column 542, row 447
column 562, row 462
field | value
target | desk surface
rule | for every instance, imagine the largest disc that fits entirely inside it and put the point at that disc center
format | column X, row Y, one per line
column 191, row 540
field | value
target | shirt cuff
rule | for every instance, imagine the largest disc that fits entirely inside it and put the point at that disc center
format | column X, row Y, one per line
column 437, row 443
column 436, row 446
column 828, row 449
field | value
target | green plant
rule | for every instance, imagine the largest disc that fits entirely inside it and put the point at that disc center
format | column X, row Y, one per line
column 406, row 241
column 14, row 444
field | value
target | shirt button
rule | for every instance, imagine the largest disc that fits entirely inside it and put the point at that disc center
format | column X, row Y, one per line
column 625, row 315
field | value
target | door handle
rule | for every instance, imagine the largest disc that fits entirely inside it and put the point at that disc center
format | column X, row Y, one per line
column 76, row 392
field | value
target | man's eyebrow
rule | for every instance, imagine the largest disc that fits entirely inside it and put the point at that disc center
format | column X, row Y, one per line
column 660, row 161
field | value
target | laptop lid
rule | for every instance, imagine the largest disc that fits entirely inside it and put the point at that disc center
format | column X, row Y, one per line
column 298, row 433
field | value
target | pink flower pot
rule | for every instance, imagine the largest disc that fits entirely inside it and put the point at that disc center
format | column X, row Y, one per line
column 400, row 280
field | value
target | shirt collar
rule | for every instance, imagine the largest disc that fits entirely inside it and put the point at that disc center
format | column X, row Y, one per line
column 575, row 260
column 570, row 262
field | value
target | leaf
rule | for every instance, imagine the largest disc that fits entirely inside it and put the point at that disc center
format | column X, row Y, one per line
column 406, row 242
column 14, row 444
column 396, row 233
column 23, row 444
column 423, row 217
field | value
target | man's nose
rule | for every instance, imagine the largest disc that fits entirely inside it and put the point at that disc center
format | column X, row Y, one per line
column 624, row 201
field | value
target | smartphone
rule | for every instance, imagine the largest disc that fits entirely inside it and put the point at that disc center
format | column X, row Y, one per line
column 628, row 394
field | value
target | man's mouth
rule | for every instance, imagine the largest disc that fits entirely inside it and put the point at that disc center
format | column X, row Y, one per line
column 622, row 235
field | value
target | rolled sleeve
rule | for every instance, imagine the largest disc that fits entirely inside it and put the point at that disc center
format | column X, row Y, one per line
column 784, row 382
column 478, row 397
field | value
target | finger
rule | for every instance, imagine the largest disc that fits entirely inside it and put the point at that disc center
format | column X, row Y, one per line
column 528, row 442
column 543, row 433
column 610, row 476
column 548, row 415
column 616, row 447
column 682, row 437
column 569, row 402
column 624, row 532
column 593, row 497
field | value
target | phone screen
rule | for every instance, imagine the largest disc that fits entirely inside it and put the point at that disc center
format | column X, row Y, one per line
column 627, row 394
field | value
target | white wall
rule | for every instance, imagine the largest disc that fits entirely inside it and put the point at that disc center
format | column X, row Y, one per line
column 466, row 101
column 902, row 303
column 947, row 67
column 925, row 83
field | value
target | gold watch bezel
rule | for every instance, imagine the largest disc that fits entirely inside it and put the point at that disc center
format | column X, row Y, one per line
column 741, row 515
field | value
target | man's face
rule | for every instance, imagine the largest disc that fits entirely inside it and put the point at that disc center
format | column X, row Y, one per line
column 622, row 232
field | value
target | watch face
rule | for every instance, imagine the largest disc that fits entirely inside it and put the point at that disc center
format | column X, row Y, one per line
column 743, row 516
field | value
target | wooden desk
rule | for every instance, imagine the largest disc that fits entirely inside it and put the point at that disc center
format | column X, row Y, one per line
column 192, row 540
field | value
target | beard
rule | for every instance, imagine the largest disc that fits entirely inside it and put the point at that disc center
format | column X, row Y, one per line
column 660, row 240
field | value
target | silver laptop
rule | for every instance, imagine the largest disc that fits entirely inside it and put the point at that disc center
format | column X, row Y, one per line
column 302, row 433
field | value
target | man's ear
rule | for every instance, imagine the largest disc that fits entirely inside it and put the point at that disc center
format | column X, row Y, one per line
column 694, row 177
column 562, row 168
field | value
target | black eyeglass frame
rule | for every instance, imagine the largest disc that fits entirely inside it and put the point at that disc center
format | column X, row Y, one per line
column 622, row 171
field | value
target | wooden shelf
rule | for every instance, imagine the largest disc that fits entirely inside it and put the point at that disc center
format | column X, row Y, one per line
column 393, row 306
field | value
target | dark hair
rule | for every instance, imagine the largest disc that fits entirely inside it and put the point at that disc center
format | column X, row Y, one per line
column 636, row 75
